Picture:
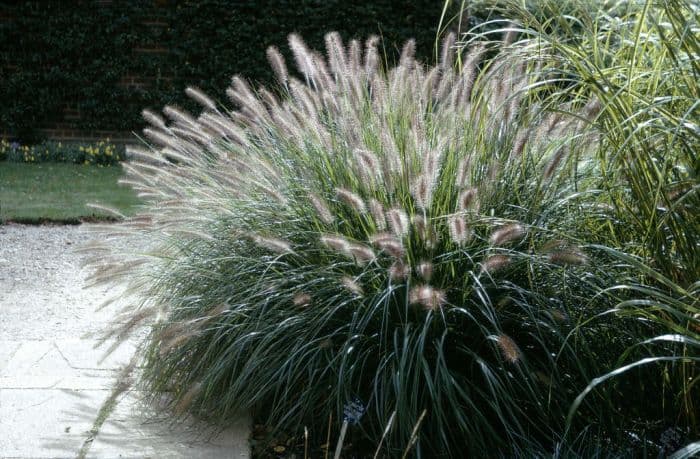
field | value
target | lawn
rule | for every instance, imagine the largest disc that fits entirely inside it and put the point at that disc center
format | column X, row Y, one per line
column 33, row 193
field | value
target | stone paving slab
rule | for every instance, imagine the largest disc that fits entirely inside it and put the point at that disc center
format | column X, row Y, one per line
column 79, row 381
column 133, row 431
column 50, row 394
column 88, row 354
column 61, row 364
column 41, row 423
column 54, row 382
column 7, row 350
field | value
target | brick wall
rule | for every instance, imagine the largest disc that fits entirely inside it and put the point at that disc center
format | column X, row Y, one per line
column 65, row 128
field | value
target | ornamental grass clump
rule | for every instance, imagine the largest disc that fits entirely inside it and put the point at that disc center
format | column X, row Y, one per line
column 643, row 67
column 411, row 237
column 641, row 62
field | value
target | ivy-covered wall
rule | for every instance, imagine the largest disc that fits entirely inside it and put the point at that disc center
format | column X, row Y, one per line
column 92, row 66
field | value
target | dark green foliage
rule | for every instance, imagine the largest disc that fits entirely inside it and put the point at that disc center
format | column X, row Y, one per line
column 58, row 54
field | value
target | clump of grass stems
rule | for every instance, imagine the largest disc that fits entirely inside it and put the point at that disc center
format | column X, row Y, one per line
column 645, row 72
column 414, row 237
column 639, row 61
column 677, row 308
column 641, row 67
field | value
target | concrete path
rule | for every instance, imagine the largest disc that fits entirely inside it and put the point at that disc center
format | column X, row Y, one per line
column 58, row 397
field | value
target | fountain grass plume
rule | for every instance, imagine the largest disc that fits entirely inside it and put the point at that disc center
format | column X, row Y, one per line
column 368, row 232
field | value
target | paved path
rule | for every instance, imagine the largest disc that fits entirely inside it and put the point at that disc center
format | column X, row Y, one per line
column 58, row 397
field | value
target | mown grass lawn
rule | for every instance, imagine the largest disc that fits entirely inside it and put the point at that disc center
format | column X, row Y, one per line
column 56, row 192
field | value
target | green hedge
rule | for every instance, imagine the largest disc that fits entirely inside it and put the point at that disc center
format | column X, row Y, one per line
column 75, row 53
